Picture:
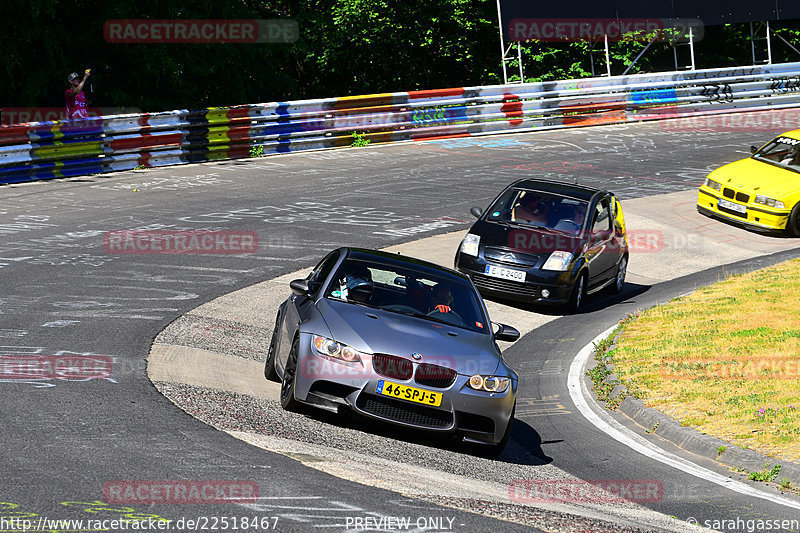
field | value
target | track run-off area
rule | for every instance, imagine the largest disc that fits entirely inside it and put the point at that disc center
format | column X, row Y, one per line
column 71, row 439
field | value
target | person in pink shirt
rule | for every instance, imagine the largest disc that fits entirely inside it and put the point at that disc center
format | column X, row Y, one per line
column 74, row 98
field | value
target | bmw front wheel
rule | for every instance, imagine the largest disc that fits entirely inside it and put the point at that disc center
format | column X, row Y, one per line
column 269, row 366
column 289, row 376
column 793, row 224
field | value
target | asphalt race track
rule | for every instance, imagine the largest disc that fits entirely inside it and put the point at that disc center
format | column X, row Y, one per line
column 65, row 295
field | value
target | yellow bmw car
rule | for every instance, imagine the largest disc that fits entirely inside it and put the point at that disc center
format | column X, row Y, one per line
column 761, row 192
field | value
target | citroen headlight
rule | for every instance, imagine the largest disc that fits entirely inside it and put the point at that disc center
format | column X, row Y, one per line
column 488, row 383
column 771, row 202
column 713, row 184
column 330, row 348
column 558, row 261
column 470, row 244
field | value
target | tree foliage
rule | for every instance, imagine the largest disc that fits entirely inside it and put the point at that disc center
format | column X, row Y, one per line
column 346, row 47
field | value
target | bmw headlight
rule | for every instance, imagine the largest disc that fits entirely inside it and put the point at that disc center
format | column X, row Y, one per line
column 771, row 202
column 470, row 244
column 337, row 350
column 558, row 261
column 713, row 184
column 489, row 383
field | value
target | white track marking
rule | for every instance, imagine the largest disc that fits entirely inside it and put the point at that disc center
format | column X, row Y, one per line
column 579, row 394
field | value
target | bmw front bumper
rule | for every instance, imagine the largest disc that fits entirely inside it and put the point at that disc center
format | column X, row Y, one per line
column 476, row 415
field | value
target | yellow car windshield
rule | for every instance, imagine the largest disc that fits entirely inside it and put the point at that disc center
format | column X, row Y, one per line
column 783, row 151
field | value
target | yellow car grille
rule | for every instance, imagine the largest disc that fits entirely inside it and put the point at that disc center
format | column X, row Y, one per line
column 738, row 196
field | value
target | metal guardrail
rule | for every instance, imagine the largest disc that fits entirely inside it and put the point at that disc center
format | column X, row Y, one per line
column 45, row 150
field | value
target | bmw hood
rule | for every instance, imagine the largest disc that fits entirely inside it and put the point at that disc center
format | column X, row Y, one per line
column 375, row 331
column 753, row 176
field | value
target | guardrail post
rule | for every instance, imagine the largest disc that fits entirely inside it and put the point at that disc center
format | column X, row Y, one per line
column 769, row 46
column 502, row 44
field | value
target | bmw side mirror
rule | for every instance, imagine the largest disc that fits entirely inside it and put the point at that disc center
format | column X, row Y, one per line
column 300, row 287
column 476, row 211
column 506, row 333
column 753, row 149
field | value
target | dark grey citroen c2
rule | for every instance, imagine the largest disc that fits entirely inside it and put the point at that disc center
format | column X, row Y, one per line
column 547, row 242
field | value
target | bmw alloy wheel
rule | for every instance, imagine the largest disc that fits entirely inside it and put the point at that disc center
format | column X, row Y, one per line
column 269, row 366
column 289, row 374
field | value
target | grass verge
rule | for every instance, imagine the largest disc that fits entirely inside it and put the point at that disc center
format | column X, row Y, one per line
column 724, row 360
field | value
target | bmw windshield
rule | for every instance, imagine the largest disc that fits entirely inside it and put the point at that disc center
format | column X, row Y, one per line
column 424, row 293
column 783, row 152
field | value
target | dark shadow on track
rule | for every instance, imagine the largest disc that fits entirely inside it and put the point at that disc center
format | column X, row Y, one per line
column 595, row 302
column 523, row 448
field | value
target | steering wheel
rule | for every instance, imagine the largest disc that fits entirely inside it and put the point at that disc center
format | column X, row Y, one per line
column 451, row 318
column 567, row 224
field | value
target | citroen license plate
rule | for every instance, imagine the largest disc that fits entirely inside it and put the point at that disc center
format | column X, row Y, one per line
column 505, row 273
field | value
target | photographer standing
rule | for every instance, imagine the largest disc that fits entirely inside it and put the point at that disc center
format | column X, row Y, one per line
column 74, row 98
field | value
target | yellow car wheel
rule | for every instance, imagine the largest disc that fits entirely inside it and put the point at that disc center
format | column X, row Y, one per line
column 793, row 224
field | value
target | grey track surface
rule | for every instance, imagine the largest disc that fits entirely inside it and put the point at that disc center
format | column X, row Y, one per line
column 62, row 293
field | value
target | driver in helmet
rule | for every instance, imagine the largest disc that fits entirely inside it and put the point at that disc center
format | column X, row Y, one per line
column 792, row 156
column 356, row 285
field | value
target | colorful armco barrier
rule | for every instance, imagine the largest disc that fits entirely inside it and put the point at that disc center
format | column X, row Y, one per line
column 122, row 142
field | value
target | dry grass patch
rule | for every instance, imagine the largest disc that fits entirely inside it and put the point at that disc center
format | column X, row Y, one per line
column 724, row 359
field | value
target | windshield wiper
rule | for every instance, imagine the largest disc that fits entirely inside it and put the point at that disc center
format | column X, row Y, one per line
column 507, row 222
column 516, row 224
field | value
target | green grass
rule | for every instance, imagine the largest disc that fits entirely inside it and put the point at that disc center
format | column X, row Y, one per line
column 765, row 475
column 724, row 359
column 359, row 140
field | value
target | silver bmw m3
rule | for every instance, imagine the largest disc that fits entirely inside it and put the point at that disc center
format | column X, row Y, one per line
column 396, row 339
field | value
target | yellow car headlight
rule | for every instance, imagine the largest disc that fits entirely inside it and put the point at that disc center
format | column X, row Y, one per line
column 713, row 184
column 771, row 202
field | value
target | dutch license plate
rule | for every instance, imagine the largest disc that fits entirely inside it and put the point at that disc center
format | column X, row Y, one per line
column 412, row 394
column 505, row 273
column 732, row 206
